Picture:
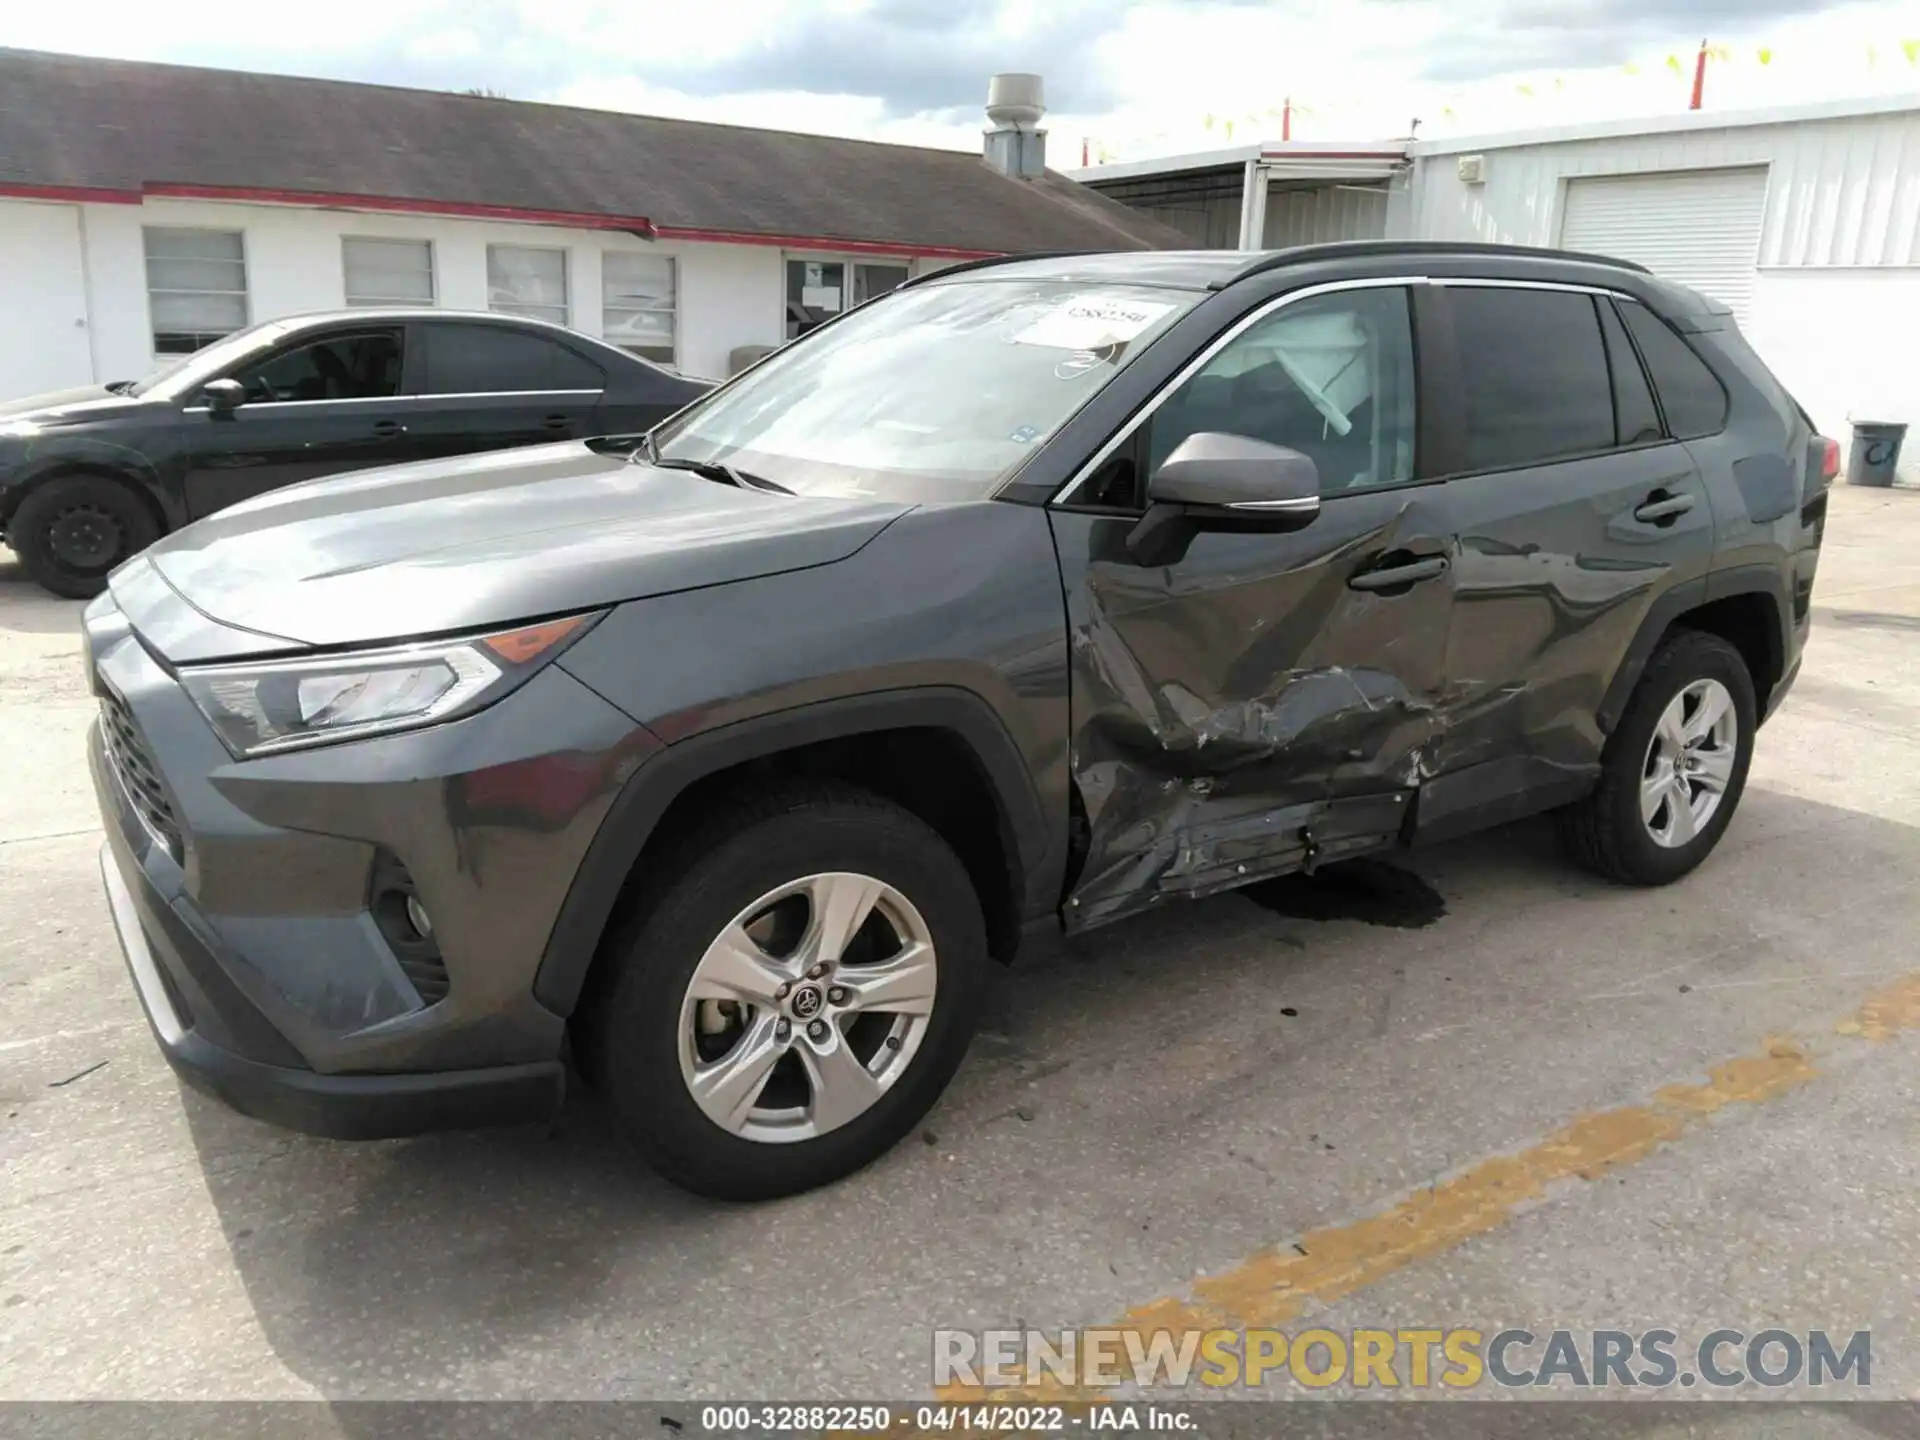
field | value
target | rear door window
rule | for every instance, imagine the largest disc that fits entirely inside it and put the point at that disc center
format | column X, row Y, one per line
column 1533, row 374
column 491, row 359
column 1690, row 395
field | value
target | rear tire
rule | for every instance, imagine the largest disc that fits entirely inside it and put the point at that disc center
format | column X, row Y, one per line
column 71, row 531
column 1666, row 794
column 846, row 1081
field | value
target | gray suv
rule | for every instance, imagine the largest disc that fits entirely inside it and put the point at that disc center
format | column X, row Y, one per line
column 1035, row 594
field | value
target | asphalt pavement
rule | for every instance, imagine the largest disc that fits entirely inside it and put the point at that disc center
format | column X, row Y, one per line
column 1471, row 1088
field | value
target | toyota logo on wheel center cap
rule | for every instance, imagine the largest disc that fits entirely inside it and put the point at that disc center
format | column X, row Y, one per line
column 806, row 1003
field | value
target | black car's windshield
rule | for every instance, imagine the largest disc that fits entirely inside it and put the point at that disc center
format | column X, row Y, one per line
column 177, row 377
column 934, row 393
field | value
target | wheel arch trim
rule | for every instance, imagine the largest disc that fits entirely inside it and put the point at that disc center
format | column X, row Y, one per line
column 1672, row 607
column 140, row 479
column 645, row 798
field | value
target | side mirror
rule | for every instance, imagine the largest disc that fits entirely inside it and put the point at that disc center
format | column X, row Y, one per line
column 1214, row 481
column 1212, row 472
column 223, row 397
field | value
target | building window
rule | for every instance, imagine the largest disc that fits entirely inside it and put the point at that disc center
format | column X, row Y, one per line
column 817, row 288
column 388, row 272
column 637, row 294
column 196, row 287
column 525, row 281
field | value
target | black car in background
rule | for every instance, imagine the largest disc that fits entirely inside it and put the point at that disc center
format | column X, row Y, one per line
column 89, row 477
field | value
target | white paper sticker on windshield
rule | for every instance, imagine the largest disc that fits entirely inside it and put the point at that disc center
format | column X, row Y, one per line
column 1092, row 322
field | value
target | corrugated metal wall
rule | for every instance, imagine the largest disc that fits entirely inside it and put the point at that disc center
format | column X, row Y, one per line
column 1313, row 215
column 1840, row 192
column 1206, row 209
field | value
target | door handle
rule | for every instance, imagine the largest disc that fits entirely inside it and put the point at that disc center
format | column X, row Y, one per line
column 388, row 429
column 1392, row 577
column 1660, row 507
column 558, row 422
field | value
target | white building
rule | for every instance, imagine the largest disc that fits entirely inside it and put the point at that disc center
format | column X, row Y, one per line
column 146, row 209
column 1806, row 221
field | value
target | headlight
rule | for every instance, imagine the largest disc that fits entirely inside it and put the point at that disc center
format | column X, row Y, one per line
column 276, row 705
column 18, row 429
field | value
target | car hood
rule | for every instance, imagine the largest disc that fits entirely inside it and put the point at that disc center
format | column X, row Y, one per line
column 467, row 543
column 64, row 407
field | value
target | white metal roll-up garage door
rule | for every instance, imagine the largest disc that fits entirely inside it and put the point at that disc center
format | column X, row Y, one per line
column 1700, row 228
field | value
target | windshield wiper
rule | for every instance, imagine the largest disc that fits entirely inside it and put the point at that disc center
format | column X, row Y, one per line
column 119, row 387
column 714, row 470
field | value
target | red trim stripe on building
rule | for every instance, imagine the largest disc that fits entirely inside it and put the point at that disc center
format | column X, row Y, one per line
column 72, row 194
column 573, row 219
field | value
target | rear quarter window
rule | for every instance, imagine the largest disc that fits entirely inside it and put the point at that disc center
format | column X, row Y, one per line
column 1691, row 396
column 1636, row 420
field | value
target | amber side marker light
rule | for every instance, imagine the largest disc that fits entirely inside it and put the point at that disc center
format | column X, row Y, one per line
column 517, row 647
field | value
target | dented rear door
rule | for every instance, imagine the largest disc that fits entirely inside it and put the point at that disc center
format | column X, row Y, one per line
column 1260, row 704
column 1576, row 512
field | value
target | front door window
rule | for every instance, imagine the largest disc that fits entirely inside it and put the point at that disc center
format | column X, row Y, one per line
column 364, row 365
column 1330, row 376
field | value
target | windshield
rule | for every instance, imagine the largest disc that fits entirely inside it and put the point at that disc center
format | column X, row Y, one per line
column 934, row 393
column 177, row 377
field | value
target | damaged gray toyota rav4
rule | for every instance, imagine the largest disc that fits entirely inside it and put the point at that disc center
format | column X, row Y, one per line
column 1037, row 593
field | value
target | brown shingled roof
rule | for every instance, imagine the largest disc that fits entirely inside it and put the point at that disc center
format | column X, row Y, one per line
column 124, row 129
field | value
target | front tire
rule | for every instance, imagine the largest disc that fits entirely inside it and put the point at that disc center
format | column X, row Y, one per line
column 71, row 531
column 795, row 1000
column 1674, row 769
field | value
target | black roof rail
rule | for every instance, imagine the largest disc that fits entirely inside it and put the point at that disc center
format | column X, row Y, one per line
column 1346, row 249
column 986, row 261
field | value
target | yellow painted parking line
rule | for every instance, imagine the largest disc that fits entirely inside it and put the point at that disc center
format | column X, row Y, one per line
column 1895, row 1008
column 1275, row 1286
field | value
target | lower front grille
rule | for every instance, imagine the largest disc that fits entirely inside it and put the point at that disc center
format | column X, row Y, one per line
column 428, row 976
column 133, row 764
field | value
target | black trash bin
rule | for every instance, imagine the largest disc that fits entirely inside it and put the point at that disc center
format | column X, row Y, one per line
column 1875, row 452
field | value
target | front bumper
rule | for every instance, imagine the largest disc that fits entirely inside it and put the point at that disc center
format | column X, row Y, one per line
column 245, row 896
column 345, row 1107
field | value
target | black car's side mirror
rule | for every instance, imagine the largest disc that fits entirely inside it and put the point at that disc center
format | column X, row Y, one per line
column 223, row 397
column 1223, row 482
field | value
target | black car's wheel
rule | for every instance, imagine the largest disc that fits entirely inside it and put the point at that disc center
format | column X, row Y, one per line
column 1674, row 769
column 72, row 530
column 795, row 999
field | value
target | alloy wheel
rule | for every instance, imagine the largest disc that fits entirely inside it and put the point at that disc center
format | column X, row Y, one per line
column 807, row 1007
column 1689, row 763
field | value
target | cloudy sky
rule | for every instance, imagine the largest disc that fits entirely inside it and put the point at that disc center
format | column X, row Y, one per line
column 1128, row 78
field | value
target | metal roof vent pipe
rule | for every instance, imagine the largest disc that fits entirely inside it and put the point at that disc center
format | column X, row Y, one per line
column 1015, row 145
